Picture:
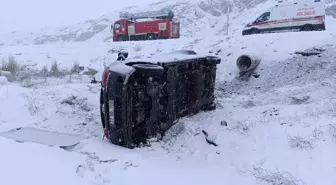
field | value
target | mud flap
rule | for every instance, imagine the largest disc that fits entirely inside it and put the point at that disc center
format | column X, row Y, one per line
column 35, row 135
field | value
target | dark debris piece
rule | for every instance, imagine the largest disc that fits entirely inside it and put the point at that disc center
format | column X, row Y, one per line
column 310, row 52
column 208, row 140
column 224, row 123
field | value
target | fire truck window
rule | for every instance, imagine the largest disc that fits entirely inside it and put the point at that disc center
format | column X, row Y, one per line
column 117, row 25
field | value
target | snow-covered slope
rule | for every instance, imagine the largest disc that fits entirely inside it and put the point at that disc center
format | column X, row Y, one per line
column 280, row 126
column 281, row 130
column 196, row 16
column 203, row 30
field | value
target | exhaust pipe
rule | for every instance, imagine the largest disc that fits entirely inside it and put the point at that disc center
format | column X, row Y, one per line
column 247, row 62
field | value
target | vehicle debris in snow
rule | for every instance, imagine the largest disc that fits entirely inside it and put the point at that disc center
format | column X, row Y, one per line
column 310, row 52
column 256, row 75
column 210, row 142
column 223, row 123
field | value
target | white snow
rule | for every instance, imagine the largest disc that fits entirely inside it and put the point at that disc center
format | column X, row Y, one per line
column 31, row 134
column 281, row 126
column 29, row 163
column 166, row 57
column 3, row 80
column 123, row 69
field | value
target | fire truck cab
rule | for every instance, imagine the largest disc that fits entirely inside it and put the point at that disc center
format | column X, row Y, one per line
column 154, row 25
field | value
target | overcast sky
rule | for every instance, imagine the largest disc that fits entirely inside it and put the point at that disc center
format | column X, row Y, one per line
column 25, row 15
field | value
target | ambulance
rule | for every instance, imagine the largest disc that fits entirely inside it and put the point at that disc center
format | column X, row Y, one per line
column 295, row 15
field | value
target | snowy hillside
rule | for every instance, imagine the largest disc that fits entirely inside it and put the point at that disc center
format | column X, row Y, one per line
column 203, row 30
column 281, row 124
column 194, row 15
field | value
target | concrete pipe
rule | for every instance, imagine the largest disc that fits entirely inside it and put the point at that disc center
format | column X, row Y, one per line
column 247, row 62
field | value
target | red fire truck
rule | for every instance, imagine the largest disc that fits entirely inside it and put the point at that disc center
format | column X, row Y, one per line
column 154, row 25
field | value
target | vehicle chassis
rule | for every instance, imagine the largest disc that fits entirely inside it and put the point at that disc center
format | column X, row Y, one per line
column 150, row 98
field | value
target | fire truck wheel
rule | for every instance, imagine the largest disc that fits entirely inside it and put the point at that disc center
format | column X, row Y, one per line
column 149, row 69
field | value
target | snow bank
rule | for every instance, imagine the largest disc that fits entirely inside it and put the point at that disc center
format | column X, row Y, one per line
column 28, row 163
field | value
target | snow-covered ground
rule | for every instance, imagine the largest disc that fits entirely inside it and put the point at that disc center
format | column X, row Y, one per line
column 281, row 126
